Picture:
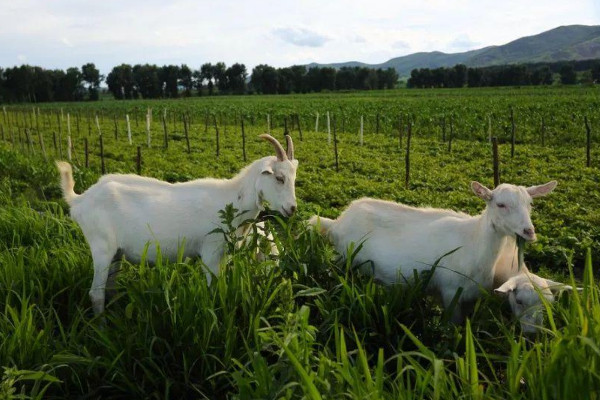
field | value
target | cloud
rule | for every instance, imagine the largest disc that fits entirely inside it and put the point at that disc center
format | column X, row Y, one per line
column 300, row 37
column 22, row 58
column 66, row 42
column 463, row 42
column 401, row 45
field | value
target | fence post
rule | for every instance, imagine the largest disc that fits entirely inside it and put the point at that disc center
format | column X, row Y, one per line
column 588, row 152
column 243, row 137
column 407, row 156
column 512, row 134
column 495, row 161
column 138, row 160
column 102, row 155
column 335, row 147
column 217, row 134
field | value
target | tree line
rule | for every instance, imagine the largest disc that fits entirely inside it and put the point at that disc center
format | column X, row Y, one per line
column 586, row 71
column 149, row 81
column 35, row 84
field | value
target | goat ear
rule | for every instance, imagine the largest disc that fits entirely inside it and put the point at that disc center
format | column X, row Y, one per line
column 541, row 190
column 505, row 288
column 267, row 170
column 481, row 191
column 558, row 287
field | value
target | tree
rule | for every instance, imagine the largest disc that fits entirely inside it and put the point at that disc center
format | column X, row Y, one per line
column 346, row 78
column 92, row 77
column 298, row 78
column 198, row 81
column 220, row 76
column 207, row 74
column 236, row 77
column 284, row 80
column 567, row 74
column 147, row 81
column 186, row 80
column 169, row 75
column 264, row 79
column 596, row 72
column 69, row 86
column 120, row 82
column 542, row 76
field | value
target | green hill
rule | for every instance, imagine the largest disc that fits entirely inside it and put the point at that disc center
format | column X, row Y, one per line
column 573, row 42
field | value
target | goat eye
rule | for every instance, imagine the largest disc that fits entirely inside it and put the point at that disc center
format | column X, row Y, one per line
column 519, row 302
column 280, row 179
column 501, row 205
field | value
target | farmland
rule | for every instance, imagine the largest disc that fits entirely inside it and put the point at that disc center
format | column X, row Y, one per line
column 303, row 325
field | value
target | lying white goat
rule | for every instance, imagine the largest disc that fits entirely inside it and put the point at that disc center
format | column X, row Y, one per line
column 125, row 212
column 523, row 288
column 399, row 239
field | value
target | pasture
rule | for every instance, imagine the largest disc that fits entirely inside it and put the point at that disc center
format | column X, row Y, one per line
column 304, row 325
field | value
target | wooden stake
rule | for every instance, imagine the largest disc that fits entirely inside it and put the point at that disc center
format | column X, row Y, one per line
column 102, row 156
column 512, row 135
column 69, row 147
column 187, row 136
column 166, row 136
column 138, row 160
column 29, row 141
column 128, row 129
column 451, row 133
column 299, row 127
column 328, row 129
column 407, row 155
column 243, row 137
column 588, row 152
column 58, row 117
column 87, row 154
column 543, row 131
column 362, row 126
column 217, row 134
column 335, row 147
column 495, row 161
column 116, row 127
column 148, row 128
column 41, row 140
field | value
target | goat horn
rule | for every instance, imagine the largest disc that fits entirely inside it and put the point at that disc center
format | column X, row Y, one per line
column 290, row 147
column 281, row 156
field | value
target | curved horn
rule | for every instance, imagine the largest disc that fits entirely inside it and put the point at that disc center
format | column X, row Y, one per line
column 290, row 147
column 281, row 156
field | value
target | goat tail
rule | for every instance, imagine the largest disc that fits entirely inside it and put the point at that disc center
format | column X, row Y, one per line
column 67, row 183
column 323, row 224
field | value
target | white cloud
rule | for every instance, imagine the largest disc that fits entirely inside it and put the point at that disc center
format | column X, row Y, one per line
column 300, row 37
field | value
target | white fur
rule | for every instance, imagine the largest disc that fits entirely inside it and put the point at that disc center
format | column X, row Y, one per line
column 399, row 239
column 523, row 288
column 127, row 212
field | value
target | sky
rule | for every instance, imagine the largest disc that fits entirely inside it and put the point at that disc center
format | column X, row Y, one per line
column 68, row 33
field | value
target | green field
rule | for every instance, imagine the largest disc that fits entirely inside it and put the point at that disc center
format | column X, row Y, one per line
column 305, row 324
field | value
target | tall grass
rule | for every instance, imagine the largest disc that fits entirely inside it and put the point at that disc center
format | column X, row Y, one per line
column 303, row 325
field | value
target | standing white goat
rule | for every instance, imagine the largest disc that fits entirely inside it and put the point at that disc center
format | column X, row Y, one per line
column 125, row 212
column 523, row 288
column 399, row 239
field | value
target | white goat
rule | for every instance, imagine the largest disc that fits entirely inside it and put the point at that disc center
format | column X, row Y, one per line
column 399, row 239
column 523, row 288
column 125, row 212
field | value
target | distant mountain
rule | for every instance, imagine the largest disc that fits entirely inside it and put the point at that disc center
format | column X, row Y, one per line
column 573, row 42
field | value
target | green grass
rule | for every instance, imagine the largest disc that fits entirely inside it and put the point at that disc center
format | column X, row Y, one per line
column 305, row 325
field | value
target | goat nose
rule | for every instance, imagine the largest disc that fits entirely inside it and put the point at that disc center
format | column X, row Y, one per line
column 292, row 209
column 528, row 232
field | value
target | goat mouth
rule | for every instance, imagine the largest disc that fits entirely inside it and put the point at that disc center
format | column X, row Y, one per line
column 528, row 238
